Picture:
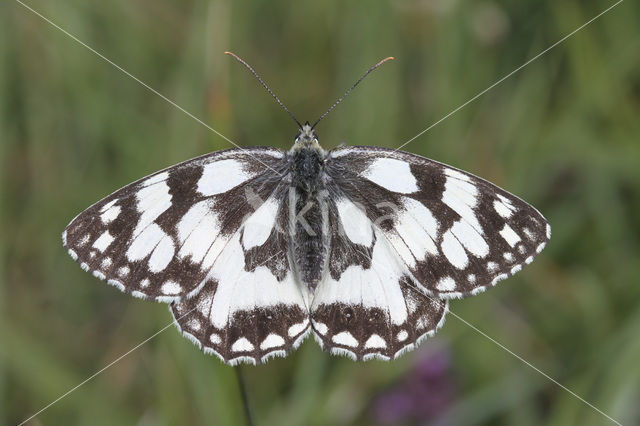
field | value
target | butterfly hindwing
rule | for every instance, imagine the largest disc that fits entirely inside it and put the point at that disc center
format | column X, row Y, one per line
column 367, row 306
column 458, row 234
column 250, row 307
column 158, row 237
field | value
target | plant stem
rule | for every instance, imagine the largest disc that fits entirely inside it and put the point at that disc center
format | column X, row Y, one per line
column 243, row 394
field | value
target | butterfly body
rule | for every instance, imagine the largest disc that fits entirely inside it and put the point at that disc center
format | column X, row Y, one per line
column 308, row 208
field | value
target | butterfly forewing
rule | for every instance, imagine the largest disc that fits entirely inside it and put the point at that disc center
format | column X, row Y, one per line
column 159, row 237
column 456, row 233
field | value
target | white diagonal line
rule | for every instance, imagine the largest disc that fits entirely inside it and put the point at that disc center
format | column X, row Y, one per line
column 510, row 74
column 503, row 347
column 128, row 74
column 103, row 369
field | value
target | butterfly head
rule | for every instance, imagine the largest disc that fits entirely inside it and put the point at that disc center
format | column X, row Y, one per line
column 306, row 137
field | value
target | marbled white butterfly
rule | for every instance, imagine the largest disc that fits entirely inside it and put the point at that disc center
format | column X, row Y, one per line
column 255, row 248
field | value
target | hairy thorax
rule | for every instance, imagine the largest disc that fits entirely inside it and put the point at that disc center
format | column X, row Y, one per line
column 308, row 211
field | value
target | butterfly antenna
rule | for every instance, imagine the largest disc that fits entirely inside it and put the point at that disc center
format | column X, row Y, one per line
column 390, row 58
column 255, row 74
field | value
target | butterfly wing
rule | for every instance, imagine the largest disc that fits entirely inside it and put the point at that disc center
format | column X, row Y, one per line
column 251, row 307
column 208, row 236
column 457, row 233
column 368, row 305
column 159, row 237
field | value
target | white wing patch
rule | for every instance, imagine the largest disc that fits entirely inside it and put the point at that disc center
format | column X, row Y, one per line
column 509, row 235
column 198, row 233
column 298, row 328
column 453, row 250
column 375, row 342
column 376, row 287
column 345, row 338
column 242, row 345
column 171, row 287
column 461, row 195
column 470, row 238
column 110, row 214
column 258, row 226
column 152, row 200
column 394, row 175
column 145, row 242
column 221, row 176
column 272, row 341
column 103, row 242
column 418, row 229
column 242, row 290
column 446, row 284
column 415, row 232
column 162, row 254
column 355, row 223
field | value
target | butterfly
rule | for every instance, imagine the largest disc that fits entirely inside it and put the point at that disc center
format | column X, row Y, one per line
column 256, row 248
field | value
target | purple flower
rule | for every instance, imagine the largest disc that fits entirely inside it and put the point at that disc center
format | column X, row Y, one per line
column 423, row 394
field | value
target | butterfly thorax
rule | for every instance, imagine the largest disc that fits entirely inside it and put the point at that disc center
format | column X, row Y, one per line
column 308, row 212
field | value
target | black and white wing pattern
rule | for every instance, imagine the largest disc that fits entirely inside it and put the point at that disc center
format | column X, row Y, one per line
column 407, row 234
column 216, row 237
column 251, row 307
column 368, row 306
column 200, row 235
column 456, row 233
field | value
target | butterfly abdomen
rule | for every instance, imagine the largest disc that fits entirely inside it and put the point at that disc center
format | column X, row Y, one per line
column 308, row 215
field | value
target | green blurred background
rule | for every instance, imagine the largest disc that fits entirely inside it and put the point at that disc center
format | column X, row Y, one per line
column 562, row 134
